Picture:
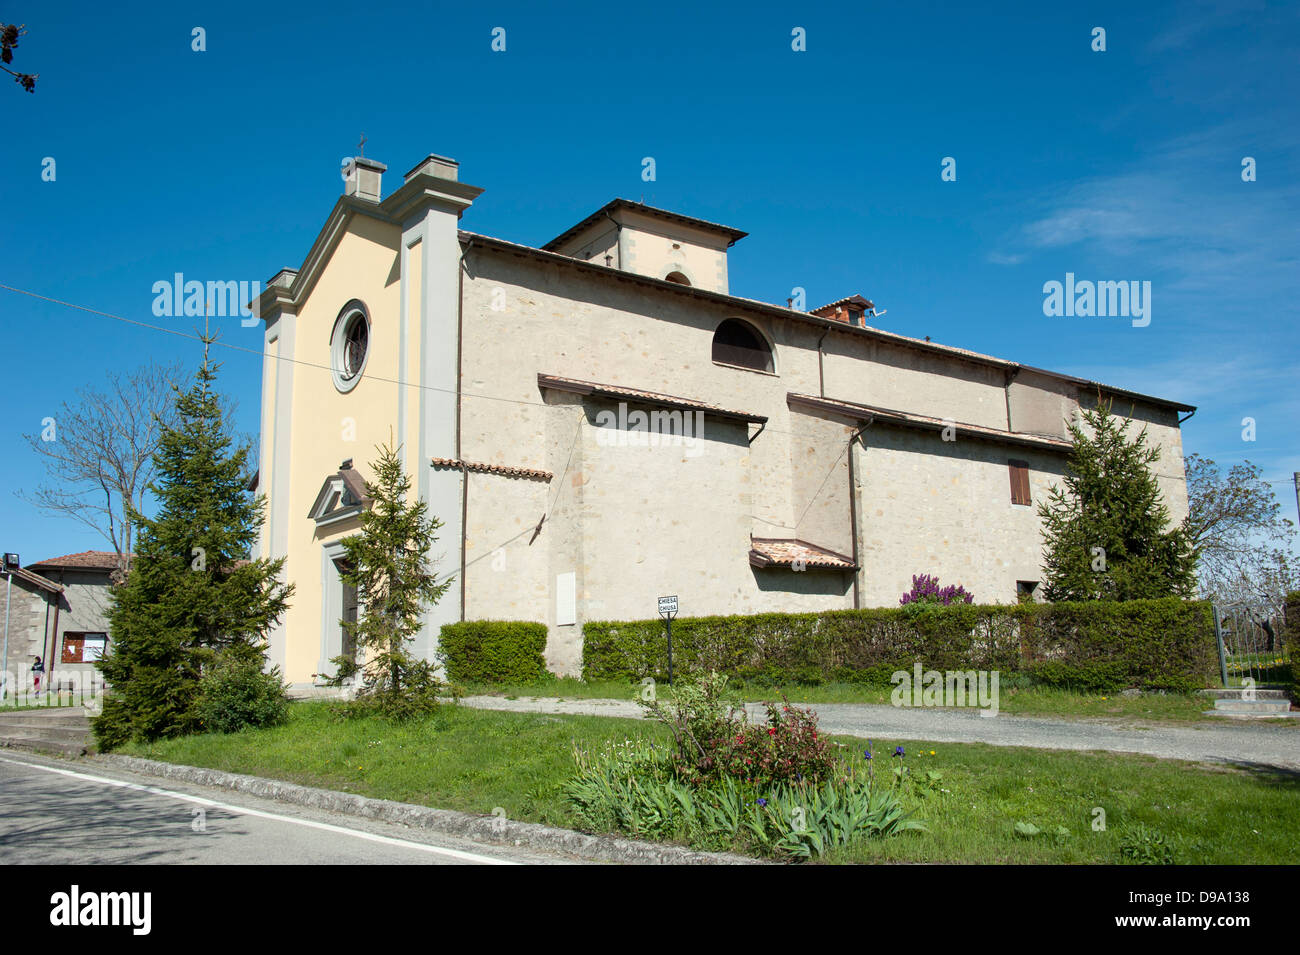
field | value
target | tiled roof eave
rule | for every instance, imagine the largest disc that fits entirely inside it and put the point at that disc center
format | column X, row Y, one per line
column 500, row 469
column 579, row 387
column 868, row 413
column 779, row 552
column 36, row 580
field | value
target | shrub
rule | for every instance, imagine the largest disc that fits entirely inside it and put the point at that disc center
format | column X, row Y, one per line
column 493, row 651
column 1149, row 644
column 926, row 591
column 112, row 727
column 1087, row 677
column 421, row 694
column 697, row 714
column 789, row 749
column 712, row 740
column 235, row 693
column 1162, row 644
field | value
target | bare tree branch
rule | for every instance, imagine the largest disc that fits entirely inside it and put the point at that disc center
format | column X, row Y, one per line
column 98, row 451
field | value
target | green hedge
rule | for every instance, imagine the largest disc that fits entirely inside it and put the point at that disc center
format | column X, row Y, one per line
column 493, row 651
column 1156, row 644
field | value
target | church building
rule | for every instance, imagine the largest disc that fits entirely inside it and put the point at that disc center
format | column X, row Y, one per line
column 600, row 421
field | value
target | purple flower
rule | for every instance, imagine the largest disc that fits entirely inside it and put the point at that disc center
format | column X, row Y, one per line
column 926, row 589
column 762, row 802
column 898, row 751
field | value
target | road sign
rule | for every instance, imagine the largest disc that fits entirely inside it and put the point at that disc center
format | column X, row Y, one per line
column 668, row 610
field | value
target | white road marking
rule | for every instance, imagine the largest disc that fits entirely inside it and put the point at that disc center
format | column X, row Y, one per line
column 241, row 810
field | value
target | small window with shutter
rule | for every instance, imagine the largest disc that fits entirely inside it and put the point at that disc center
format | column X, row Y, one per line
column 1019, row 482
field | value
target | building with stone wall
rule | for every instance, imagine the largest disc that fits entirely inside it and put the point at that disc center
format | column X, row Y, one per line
column 600, row 421
column 58, row 610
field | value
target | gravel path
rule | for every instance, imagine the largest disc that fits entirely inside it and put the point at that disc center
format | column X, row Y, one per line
column 1240, row 743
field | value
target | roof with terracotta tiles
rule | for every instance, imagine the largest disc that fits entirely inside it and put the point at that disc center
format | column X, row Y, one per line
column 774, row 552
column 86, row 560
column 477, row 238
column 502, row 469
column 733, row 235
column 927, row 423
column 36, row 580
column 858, row 299
column 579, row 387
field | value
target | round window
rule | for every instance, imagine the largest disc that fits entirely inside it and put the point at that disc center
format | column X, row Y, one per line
column 350, row 346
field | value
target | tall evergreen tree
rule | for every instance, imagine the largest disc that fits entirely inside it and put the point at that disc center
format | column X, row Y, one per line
column 1106, row 534
column 191, row 591
column 388, row 564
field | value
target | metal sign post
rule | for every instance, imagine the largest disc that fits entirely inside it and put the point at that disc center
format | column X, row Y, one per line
column 668, row 610
column 11, row 563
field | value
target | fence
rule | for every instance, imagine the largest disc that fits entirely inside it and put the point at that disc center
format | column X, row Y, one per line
column 1251, row 646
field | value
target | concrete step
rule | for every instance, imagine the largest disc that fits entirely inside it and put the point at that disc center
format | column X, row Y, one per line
column 1252, row 707
column 63, row 731
column 26, row 726
column 50, row 730
column 60, row 713
column 1224, row 714
column 1236, row 692
column 39, row 744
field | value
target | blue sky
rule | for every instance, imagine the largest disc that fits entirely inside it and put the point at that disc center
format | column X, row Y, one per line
column 1115, row 165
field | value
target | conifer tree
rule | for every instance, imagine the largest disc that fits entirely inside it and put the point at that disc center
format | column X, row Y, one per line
column 191, row 592
column 388, row 564
column 1106, row 534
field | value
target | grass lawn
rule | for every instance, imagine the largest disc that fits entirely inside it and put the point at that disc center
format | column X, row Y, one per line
column 475, row 760
column 1033, row 701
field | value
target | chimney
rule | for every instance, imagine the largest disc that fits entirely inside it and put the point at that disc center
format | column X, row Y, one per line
column 362, row 178
column 434, row 165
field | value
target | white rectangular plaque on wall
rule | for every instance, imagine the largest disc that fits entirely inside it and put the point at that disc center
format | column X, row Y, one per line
column 566, row 599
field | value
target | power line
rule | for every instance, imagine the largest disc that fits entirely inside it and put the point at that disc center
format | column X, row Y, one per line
column 262, row 354
column 298, row 361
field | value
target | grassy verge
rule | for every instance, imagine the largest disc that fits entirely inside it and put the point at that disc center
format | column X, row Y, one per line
column 476, row 760
column 1031, row 701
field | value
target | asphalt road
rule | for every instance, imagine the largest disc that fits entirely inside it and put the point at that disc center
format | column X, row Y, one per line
column 1241, row 743
column 55, row 812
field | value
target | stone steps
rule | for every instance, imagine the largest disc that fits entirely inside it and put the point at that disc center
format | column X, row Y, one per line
column 1257, row 708
column 63, row 731
column 41, row 744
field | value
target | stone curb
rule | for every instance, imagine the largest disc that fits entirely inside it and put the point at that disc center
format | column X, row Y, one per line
column 488, row 829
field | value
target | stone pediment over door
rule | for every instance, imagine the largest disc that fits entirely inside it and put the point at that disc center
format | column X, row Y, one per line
column 343, row 495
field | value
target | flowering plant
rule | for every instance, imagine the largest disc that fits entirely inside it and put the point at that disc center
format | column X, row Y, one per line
column 789, row 749
column 712, row 739
column 926, row 591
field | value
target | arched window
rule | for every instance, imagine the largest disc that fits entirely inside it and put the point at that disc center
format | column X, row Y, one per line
column 677, row 277
column 739, row 343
